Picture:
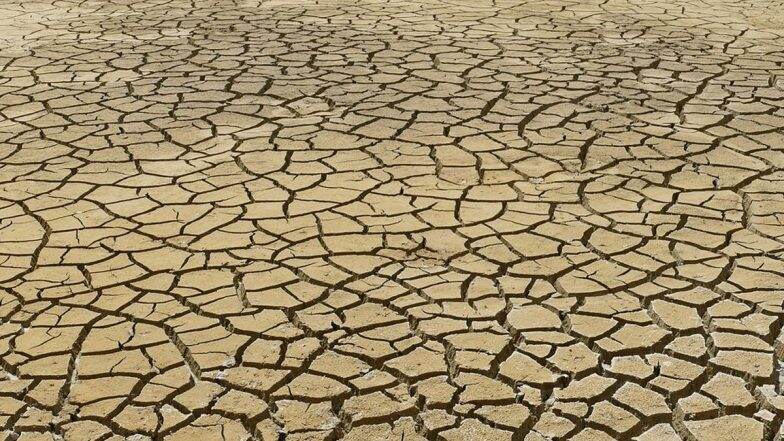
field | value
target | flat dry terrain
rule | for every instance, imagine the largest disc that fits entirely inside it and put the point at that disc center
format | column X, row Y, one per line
column 391, row 220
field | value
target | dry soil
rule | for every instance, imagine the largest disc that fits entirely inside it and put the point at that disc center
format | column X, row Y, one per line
column 391, row 220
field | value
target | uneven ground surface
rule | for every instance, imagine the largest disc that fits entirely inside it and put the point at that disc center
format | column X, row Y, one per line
column 456, row 220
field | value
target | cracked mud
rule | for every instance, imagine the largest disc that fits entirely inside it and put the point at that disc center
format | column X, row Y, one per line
column 391, row 220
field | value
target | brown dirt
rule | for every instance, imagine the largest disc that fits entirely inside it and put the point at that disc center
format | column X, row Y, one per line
column 391, row 220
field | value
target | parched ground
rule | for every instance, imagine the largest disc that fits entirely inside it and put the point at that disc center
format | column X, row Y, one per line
column 391, row 220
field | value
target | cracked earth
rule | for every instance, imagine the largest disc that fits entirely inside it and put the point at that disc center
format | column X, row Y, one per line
column 391, row 220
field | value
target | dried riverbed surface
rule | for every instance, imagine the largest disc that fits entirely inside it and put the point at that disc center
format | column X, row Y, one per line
column 391, row 220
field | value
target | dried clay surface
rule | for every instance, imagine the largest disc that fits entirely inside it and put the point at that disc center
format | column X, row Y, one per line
column 391, row 220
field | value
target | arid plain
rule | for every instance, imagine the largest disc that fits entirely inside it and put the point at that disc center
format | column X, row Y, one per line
column 391, row 220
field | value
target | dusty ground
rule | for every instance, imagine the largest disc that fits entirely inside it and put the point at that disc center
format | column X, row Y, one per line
column 391, row 220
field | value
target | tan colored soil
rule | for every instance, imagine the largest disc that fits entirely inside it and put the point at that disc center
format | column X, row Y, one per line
column 391, row 220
